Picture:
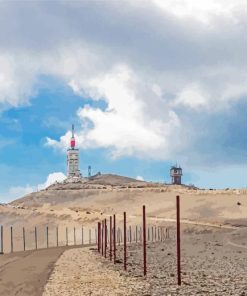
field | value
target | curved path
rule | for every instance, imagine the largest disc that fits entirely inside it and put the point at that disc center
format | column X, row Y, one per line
column 26, row 273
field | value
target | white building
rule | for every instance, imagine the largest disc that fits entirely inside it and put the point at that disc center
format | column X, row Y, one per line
column 73, row 163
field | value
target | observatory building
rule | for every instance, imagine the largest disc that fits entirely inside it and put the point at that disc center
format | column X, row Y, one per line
column 176, row 175
column 73, row 168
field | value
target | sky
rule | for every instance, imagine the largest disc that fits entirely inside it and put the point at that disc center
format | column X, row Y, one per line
column 148, row 84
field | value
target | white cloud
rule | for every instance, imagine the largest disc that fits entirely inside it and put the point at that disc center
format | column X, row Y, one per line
column 153, row 63
column 125, row 126
column 20, row 191
column 200, row 10
column 192, row 96
column 51, row 179
column 139, row 178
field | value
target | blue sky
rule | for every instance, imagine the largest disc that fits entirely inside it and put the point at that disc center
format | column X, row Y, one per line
column 147, row 84
column 26, row 160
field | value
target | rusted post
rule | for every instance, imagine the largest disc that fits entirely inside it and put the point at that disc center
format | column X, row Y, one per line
column 130, row 233
column 47, row 237
column 148, row 235
column 82, row 236
column 178, row 241
column 110, row 237
column 1, row 239
column 140, row 234
column 57, row 235
column 102, row 239
column 11, row 239
column 105, row 237
column 24, row 239
column 36, row 238
column 67, row 237
column 144, row 242
column 99, row 233
column 114, row 239
column 125, row 243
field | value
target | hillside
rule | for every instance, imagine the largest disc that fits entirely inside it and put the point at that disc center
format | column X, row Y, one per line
column 90, row 200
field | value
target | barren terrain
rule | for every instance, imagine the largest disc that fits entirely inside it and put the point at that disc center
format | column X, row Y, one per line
column 213, row 240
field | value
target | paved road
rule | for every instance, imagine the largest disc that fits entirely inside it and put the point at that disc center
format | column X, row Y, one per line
column 26, row 273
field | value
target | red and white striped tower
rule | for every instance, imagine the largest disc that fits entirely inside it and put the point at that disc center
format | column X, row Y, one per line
column 73, row 168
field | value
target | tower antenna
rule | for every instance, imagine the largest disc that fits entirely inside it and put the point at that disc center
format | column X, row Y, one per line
column 73, row 128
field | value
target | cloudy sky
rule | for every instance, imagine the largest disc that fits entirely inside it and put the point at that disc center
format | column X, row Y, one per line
column 147, row 84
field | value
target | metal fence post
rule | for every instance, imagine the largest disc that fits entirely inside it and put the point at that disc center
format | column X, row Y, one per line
column 105, row 236
column 47, row 236
column 178, row 241
column 125, row 244
column 35, row 238
column 11, row 239
column 144, row 242
column 110, row 237
column 57, row 235
column 1, row 239
column 114, row 238
column 99, row 234
column 24, row 239
column 102, row 238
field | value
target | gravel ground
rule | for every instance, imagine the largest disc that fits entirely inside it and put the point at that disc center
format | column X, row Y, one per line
column 80, row 272
column 211, row 265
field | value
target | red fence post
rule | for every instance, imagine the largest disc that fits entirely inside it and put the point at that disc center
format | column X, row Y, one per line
column 105, row 237
column 136, row 235
column 35, row 237
column 114, row 239
column 178, row 242
column 144, row 242
column 130, row 234
column 102, row 238
column 110, row 237
column 99, row 234
column 125, row 244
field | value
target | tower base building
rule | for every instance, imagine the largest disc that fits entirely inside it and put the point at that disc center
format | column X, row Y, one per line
column 176, row 175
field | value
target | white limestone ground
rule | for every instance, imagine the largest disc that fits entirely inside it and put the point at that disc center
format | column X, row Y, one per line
column 80, row 272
